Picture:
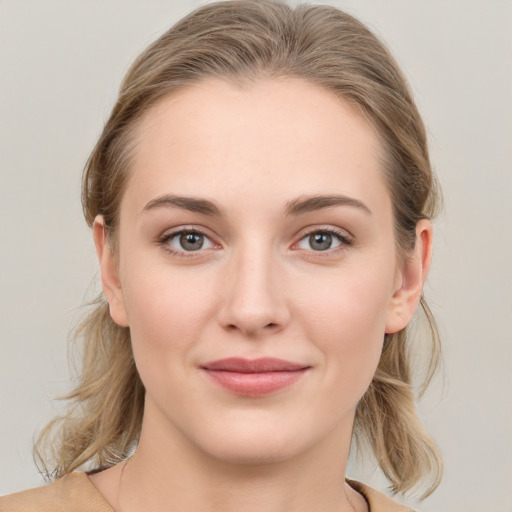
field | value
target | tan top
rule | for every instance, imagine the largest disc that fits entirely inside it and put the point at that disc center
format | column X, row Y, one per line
column 76, row 493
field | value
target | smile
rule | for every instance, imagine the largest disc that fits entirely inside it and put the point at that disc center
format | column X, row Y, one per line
column 254, row 378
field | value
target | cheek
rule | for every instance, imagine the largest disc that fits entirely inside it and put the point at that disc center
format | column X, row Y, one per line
column 167, row 310
column 347, row 323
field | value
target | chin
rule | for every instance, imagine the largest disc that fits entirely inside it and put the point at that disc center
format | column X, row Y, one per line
column 255, row 441
column 256, row 452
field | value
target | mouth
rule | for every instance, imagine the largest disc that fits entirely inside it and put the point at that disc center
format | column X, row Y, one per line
column 254, row 377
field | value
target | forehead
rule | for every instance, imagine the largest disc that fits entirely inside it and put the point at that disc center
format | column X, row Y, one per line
column 278, row 137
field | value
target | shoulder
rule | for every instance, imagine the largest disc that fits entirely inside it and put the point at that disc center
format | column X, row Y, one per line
column 74, row 490
column 377, row 501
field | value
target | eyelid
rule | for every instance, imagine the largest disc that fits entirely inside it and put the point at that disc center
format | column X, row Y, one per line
column 163, row 241
column 343, row 236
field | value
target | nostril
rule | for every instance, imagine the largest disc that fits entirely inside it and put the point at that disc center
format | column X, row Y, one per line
column 248, row 330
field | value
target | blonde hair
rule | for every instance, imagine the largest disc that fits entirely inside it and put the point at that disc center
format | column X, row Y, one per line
column 243, row 41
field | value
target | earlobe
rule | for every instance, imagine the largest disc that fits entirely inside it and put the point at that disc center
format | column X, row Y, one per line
column 109, row 273
column 412, row 278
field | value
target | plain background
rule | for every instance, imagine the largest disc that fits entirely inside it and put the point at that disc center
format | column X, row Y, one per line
column 60, row 66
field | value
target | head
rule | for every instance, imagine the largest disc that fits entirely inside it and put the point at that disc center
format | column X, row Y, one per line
column 233, row 52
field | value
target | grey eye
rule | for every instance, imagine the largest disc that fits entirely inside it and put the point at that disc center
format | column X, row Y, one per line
column 191, row 241
column 320, row 241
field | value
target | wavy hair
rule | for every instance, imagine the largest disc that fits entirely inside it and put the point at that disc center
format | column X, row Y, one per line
column 243, row 41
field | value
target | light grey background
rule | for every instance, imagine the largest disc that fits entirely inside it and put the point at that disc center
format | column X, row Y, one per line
column 60, row 66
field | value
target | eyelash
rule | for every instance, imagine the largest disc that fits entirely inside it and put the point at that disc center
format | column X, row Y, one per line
column 163, row 241
column 342, row 237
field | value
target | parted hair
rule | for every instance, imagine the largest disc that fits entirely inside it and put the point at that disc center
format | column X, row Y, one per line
column 243, row 41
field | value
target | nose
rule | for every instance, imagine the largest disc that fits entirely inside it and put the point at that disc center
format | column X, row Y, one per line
column 253, row 298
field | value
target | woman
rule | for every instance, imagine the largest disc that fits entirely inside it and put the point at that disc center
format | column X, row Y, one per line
column 260, row 201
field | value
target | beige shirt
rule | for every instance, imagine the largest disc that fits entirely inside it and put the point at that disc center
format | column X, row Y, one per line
column 76, row 493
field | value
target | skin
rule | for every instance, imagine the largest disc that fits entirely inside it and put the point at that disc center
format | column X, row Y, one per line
column 258, row 287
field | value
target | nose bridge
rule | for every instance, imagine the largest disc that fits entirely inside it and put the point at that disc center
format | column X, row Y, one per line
column 253, row 301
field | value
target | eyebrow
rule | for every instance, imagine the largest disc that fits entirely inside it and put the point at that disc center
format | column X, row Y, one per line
column 192, row 204
column 295, row 207
column 312, row 203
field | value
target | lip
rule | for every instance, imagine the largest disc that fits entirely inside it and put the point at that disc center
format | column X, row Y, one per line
column 254, row 377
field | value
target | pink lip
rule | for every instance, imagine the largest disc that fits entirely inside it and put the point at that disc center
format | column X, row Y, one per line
column 256, row 377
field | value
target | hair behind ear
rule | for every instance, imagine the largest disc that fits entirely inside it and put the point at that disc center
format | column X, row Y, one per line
column 104, row 412
column 387, row 419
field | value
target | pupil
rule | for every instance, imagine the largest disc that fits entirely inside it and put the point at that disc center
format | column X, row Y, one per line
column 320, row 241
column 191, row 241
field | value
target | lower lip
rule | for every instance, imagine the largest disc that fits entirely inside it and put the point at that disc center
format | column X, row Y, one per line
column 255, row 384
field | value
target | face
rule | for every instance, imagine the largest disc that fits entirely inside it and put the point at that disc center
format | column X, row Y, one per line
column 257, row 267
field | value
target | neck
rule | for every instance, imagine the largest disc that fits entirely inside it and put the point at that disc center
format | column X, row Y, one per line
column 167, row 472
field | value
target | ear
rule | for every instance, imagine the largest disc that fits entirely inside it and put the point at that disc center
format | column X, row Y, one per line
column 109, row 273
column 411, row 279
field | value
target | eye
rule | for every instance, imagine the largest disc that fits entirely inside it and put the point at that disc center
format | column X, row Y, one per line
column 186, row 241
column 323, row 240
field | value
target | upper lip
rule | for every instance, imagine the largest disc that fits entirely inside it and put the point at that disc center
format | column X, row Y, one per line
column 261, row 365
